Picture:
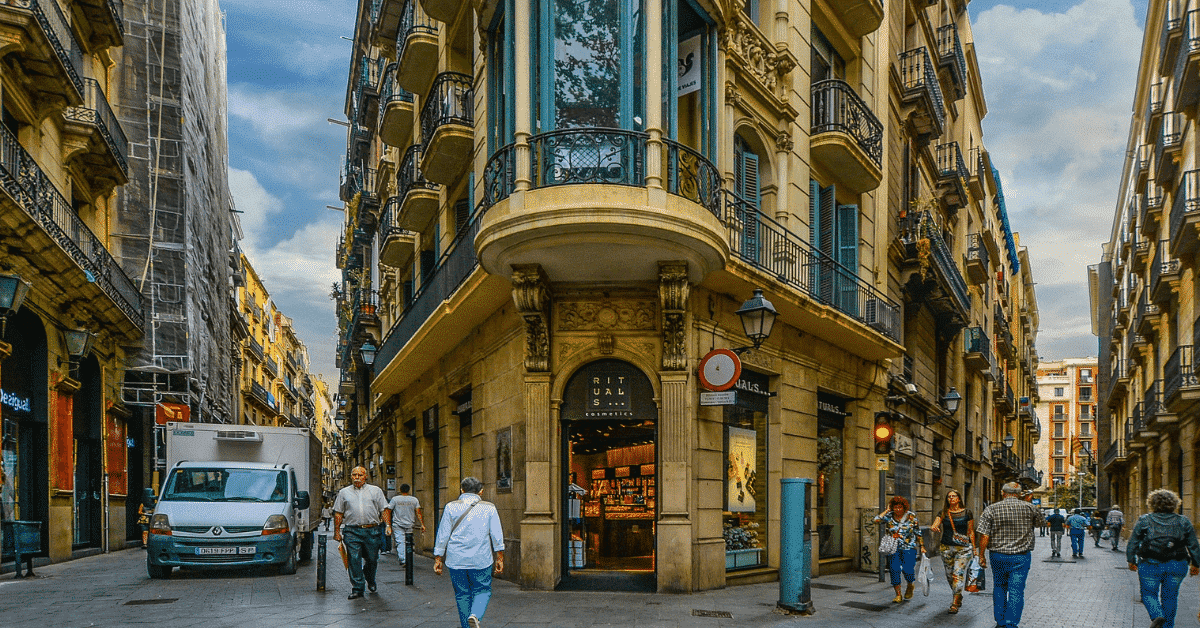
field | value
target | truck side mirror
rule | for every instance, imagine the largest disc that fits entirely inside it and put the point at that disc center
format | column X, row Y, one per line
column 302, row 501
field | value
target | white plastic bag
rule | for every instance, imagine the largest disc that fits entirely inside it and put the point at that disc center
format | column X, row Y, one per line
column 976, row 577
column 925, row 575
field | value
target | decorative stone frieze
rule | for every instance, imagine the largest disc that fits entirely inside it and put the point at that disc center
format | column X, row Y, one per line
column 760, row 59
column 673, row 290
column 606, row 315
column 531, row 294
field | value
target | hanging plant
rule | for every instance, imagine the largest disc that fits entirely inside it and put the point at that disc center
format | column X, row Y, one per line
column 829, row 455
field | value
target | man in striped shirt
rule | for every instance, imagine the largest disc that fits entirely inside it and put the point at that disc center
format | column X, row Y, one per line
column 1006, row 528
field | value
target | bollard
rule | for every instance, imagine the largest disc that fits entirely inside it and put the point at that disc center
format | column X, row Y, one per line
column 795, row 546
column 321, row 540
column 408, row 559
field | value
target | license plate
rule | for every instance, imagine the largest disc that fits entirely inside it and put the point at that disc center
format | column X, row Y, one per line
column 209, row 551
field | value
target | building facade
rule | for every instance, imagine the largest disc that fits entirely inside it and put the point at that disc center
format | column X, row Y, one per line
column 1143, row 289
column 1068, row 401
column 548, row 227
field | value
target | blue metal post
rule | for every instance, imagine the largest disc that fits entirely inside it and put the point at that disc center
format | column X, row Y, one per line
column 795, row 545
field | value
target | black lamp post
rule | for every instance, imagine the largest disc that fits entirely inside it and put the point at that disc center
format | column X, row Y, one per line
column 368, row 352
column 952, row 400
column 758, row 318
column 79, row 345
column 12, row 293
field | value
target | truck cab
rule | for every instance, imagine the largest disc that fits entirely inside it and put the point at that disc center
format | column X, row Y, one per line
column 222, row 514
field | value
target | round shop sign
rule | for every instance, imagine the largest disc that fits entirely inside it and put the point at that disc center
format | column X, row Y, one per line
column 720, row 370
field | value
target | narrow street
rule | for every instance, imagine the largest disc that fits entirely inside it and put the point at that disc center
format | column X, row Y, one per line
column 113, row 590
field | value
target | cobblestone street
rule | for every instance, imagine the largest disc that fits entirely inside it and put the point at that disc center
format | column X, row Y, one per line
column 113, row 590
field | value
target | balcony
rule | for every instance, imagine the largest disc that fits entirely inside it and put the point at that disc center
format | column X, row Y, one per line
column 858, row 17
column 1165, row 272
column 256, row 349
column 366, row 306
column 1115, row 454
column 75, row 260
column 1168, row 146
column 263, row 397
column 978, row 263
column 978, row 170
column 1171, row 34
column 1005, row 461
column 924, row 106
column 1149, row 218
column 365, row 99
column 951, row 59
column 1003, row 292
column 443, row 10
column 1005, row 346
column 385, row 21
column 419, row 199
column 977, row 350
column 1154, row 109
column 1145, row 318
column 1005, row 402
column 1185, row 215
column 1181, row 381
column 359, row 179
column 922, row 243
column 416, row 49
column 1118, row 382
column 396, row 111
column 271, row 367
column 96, row 140
column 1187, row 64
column 46, row 57
column 846, row 135
column 1142, row 162
column 399, row 245
column 447, row 126
column 1141, row 255
column 1154, row 411
column 101, row 23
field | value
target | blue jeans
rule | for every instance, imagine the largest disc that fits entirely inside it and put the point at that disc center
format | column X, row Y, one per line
column 362, row 545
column 904, row 560
column 1009, row 572
column 472, row 591
column 1156, row 576
column 1077, row 542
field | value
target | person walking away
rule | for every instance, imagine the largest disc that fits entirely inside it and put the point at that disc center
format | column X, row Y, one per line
column 1096, row 526
column 326, row 515
column 901, row 523
column 1078, row 527
column 470, row 544
column 1159, row 549
column 406, row 510
column 1115, row 521
column 1006, row 535
column 1055, row 522
column 359, row 508
column 957, row 527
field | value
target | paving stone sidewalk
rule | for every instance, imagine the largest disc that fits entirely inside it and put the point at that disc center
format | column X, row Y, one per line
column 113, row 590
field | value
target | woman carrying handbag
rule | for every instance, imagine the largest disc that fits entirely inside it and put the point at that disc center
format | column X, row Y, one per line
column 957, row 543
column 903, row 526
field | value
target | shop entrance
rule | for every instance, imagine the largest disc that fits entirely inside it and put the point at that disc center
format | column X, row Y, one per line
column 610, row 479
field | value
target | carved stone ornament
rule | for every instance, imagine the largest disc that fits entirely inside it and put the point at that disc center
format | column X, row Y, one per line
column 531, row 294
column 755, row 54
column 607, row 344
column 606, row 315
column 783, row 141
column 673, row 291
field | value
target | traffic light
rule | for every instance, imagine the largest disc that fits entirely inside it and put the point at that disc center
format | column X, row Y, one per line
column 883, row 434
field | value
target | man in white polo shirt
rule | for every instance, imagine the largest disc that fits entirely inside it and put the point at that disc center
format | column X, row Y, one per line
column 361, row 507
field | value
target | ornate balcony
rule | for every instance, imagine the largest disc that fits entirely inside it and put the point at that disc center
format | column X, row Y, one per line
column 859, row 17
column 1185, row 215
column 1005, row 347
column 101, row 23
column 951, row 59
column 924, row 106
column 419, row 199
column 1118, row 382
column 1168, row 146
column 1150, row 217
column 1187, row 64
column 952, row 175
column 35, row 216
column 1154, row 411
column 944, row 288
column 397, row 109
column 1142, row 162
column 1145, row 317
column 365, row 84
column 1116, row 453
column 1005, row 461
column 416, row 49
column 447, row 126
column 1181, row 380
column 385, row 20
column 977, row 349
column 95, row 140
column 44, row 52
column 399, row 245
column 978, row 264
column 1165, row 272
column 846, row 135
column 443, row 10
column 1171, row 34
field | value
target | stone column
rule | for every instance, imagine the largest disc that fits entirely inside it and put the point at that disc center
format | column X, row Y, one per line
column 1187, row 436
column 674, row 436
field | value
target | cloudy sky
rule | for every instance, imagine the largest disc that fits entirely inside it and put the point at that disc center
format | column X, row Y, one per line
column 1058, row 77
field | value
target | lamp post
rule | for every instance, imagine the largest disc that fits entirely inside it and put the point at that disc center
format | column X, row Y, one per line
column 951, row 401
column 12, row 293
column 79, row 345
column 758, row 317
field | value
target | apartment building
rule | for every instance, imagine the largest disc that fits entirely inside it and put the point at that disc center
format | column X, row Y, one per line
column 1143, row 289
column 555, row 211
column 1069, row 401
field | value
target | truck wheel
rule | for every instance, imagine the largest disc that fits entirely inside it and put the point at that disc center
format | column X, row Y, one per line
column 306, row 548
column 288, row 568
column 157, row 572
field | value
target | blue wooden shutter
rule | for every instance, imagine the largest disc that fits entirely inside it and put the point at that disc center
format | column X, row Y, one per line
column 814, row 233
column 749, row 191
column 826, row 221
column 847, row 257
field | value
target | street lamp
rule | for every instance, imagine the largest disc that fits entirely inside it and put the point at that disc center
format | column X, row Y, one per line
column 758, row 317
column 1009, row 440
column 12, row 293
column 368, row 352
column 79, row 345
column 951, row 401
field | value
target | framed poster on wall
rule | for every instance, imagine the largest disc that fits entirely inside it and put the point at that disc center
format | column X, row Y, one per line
column 740, row 469
column 504, row 460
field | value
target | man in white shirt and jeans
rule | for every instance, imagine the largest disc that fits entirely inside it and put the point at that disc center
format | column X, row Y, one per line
column 468, row 537
column 406, row 510
column 357, row 515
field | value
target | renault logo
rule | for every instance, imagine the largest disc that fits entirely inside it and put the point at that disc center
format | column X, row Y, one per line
column 217, row 531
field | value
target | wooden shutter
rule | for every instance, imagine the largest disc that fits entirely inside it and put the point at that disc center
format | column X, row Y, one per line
column 847, row 257
column 748, row 186
column 826, row 221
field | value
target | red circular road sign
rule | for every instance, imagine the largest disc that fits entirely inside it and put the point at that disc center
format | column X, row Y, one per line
column 720, row 370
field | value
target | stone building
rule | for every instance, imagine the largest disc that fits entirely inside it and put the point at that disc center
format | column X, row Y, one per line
column 1069, row 402
column 554, row 211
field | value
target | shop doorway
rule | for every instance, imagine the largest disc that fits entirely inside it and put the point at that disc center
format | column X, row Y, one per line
column 610, row 480
column 24, row 429
column 89, row 480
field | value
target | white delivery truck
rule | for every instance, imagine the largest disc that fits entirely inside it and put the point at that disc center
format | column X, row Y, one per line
column 235, row 495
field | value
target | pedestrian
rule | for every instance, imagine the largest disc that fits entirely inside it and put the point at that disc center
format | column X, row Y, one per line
column 902, row 524
column 326, row 515
column 958, row 544
column 1006, row 529
column 406, row 510
column 1159, row 549
column 1096, row 524
column 1077, row 524
column 1115, row 521
column 359, row 508
column 470, row 543
column 1055, row 522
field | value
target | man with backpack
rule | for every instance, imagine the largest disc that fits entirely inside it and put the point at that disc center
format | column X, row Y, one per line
column 1159, row 549
column 1097, row 527
column 1116, row 521
column 1055, row 521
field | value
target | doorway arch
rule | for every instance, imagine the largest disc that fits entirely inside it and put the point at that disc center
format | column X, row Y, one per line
column 24, row 425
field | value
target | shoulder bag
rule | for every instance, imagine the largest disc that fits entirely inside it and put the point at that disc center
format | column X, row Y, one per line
column 888, row 543
column 958, row 537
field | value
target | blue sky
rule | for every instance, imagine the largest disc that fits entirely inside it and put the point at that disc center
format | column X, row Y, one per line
column 1058, row 78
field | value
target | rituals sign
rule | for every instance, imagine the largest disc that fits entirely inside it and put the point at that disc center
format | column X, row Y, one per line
column 609, row 395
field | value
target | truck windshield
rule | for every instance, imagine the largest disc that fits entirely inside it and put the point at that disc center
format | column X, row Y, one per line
column 226, row 485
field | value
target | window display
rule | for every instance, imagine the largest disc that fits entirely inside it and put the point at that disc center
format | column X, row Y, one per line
column 745, row 517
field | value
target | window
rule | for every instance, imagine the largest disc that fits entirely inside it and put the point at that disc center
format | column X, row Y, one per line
column 1058, row 412
column 1085, row 393
column 1058, row 448
column 1058, row 468
column 1058, row 430
column 1059, row 391
column 1085, row 375
column 749, row 188
column 1085, row 413
column 1085, row 430
column 826, row 62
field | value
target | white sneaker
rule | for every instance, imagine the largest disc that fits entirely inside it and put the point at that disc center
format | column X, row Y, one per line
column 473, row 622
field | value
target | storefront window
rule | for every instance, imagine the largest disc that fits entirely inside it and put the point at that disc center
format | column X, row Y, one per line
column 745, row 517
column 830, row 465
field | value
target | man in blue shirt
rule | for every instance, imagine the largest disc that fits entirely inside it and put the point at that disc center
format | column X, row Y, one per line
column 1078, row 524
column 468, row 538
column 1056, row 521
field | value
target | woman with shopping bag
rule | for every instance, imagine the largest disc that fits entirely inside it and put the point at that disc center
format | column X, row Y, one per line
column 957, row 527
column 902, row 525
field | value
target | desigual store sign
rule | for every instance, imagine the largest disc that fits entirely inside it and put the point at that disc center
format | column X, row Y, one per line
column 13, row 402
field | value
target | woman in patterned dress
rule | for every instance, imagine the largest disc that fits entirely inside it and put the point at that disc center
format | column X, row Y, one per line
column 901, row 523
column 957, row 528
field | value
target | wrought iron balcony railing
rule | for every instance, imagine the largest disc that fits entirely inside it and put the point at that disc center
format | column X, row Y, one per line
column 390, row 91
column 693, row 177
column 1187, row 201
column 976, row 250
column 500, row 176
column 412, row 21
column 28, row 186
column 409, row 176
column 1152, row 404
column 918, row 226
column 449, row 102
column 97, row 112
column 574, row 156
column 388, row 220
column 1180, row 371
column 950, row 51
column 837, row 108
column 975, row 340
column 271, row 366
column 58, row 32
column 256, row 348
column 918, row 73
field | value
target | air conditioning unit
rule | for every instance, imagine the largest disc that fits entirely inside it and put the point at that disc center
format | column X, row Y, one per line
column 242, row 436
column 877, row 314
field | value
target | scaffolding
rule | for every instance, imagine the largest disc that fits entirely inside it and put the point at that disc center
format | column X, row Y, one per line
column 174, row 224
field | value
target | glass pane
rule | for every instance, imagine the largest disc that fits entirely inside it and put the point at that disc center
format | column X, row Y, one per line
column 587, row 64
column 745, row 516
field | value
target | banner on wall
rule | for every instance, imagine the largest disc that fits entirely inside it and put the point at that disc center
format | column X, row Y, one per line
column 689, row 66
column 165, row 411
column 740, row 470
